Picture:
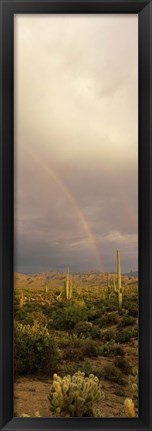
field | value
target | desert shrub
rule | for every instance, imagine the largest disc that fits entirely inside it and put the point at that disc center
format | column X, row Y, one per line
column 126, row 321
column 124, row 336
column 72, row 367
column 32, row 307
column 135, row 331
column 67, row 317
column 69, row 353
column 63, row 343
column 113, row 374
column 79, row 349
column 74, row 396
column 87, row 330
column 123, row 365
column 120, row 391
column 34, row 349
column 93, row 314
column 108, row 335
column 24, row 317
column 107, row 319
column 111, row 349
column 69, row 368
column 50, row 324
column 90, row 348
column 86, row 367
column 89, row 368
column 112, row 305
column 133, row 309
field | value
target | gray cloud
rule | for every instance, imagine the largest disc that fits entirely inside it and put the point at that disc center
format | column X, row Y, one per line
column 76, row 142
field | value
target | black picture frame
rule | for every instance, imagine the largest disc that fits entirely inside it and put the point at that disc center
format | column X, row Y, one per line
column 144, row 10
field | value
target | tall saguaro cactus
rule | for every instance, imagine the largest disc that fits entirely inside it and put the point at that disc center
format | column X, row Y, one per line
column 114, row 285
column 45, row 291
column 108, row 285
column 22, row 300
column 68, row 286
column 119, row 280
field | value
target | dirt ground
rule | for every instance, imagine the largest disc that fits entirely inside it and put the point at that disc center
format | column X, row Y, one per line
column 31, row 396
column 31, row 393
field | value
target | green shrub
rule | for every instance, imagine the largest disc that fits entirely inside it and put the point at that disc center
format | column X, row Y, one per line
column 133, row 309
column 111, row 349
column 108, row 335
column 86, row 367
column 87, row 330
column 120, row 391
column 67, row 317
column 113, row 374
column 74, row 396
column 34, row 350
column 90, row 348
column 78, row 349
column 69, row 353
column 135, row 331
column 123, row 365
column 24, row 317
column 107, row 319
column 126, row 321
column 124, row 336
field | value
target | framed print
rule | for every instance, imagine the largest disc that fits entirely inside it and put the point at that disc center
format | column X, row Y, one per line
column 76, row 215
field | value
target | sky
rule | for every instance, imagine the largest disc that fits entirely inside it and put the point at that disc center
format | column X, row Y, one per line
column 76, row 142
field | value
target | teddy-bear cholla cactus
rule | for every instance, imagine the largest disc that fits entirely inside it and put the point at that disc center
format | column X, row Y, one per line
column 119, row 280
column 74, row 396
column 68, row 286
column 130, row 407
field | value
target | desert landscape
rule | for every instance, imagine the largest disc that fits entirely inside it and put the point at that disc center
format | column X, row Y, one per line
column 68, row 323
column 76, row 216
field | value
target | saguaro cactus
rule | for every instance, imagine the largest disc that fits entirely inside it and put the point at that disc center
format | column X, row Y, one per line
column 119, row 280
column 108, row 285
column 114, row 285
column 22, row 300
column 68, row 286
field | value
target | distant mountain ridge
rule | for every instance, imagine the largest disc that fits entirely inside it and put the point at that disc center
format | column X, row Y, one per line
column 95, row 272
column 57, row 278
column 131, row 273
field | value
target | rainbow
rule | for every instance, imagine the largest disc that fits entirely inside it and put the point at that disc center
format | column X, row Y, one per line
column 85, row 224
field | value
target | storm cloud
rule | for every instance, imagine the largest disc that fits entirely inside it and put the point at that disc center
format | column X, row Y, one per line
column 76, row 142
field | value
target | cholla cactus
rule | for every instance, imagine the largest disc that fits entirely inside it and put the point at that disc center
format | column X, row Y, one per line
column 130, row 407
column 74, row 396
column 133, row 382
column 25, row 415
